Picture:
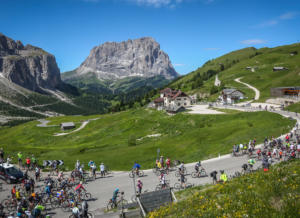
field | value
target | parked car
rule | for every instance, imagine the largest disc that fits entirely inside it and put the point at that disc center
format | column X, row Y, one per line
column 10, row 173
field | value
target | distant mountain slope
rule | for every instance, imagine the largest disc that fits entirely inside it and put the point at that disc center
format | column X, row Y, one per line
column 123, row 66
column 234, row 65
column 31, row 86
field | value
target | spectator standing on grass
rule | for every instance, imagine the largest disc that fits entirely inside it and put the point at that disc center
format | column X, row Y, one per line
column 1, row 154
column 161, row 160
column 28, row 161
column 20, row 158
column 102, row 169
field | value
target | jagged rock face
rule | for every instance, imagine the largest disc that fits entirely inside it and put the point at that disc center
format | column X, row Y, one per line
column 141, row 57
column 28, row 66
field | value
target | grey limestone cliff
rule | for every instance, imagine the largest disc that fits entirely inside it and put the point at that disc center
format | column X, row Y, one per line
column 28, row 66
column 132, row 58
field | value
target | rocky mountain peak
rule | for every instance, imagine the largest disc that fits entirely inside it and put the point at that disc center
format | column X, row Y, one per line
column 132, row 58
column 28, row 66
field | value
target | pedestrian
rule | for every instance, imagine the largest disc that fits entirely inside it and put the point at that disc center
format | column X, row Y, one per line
column 139, row 186
column 102, row 169
column 28, row 161
column 1, row 154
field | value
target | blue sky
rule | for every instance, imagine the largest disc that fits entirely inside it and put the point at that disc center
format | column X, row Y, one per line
column 190, row 31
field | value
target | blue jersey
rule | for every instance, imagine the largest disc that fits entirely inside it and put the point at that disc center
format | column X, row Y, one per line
column 136, row 165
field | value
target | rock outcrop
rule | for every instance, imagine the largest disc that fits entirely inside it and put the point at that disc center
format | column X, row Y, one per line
column 133, row 58
column 28, row 66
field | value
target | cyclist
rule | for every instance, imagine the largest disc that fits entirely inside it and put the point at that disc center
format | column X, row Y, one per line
column 78, row 189
column 90, row 164
column 37, row 210
column 251, row 162
column 181, row 167
column 37, row 173
column 48, row 189
column 223, row 176
column 84, row 209
column 115, row 195
column 75, row 211
column 136, row 167
column 139, row 186
column 13, row 192
column 197, row 168
column 258, row 153
column 102, row 169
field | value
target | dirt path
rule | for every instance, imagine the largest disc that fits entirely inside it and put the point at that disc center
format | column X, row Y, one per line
column 257, row 92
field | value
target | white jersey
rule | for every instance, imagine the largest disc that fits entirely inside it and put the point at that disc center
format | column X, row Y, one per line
column 75, row 210
column 102, row 167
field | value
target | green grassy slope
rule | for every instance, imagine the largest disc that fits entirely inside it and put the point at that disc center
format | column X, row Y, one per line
column 185, row 137
column 235, row 64
column 262, row 194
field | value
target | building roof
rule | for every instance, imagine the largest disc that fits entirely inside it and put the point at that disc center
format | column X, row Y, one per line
column 180, row 94
column 166, row 90
column 228, row 91
column 69, row 124
column 159, row 100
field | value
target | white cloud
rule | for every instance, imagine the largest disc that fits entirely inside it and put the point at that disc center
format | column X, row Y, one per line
column 253, row 41
column 269, row 23
column 288, row 16
column 179, row 65
column 159, row 3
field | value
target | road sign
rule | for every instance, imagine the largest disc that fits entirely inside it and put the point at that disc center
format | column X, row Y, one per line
column 50, row 162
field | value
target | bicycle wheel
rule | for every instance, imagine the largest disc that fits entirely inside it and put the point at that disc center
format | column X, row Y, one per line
column 131, row 174
column 158, row 187
column 87, row 196
column 110, row 205
column 65, row 206
column 203, row 173
column 90, row 215
column 141, row 173
column 188, row 185
column 177, row 186
column 194, row 175
column 123, row 201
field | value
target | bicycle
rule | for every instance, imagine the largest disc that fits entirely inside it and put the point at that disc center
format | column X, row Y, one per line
column 177, row 173
column 89, row 215
column 133, row 173
column 200, row 173
column 179, row 186
column 111, row 204
column 160, row 186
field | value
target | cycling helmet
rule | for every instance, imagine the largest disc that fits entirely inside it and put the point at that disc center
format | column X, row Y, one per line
column 117, row 189
column 222, row 171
